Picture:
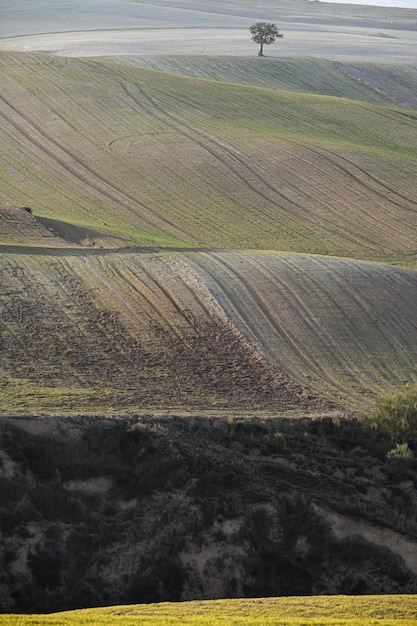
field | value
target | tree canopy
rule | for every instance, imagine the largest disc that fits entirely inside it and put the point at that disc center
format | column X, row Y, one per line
column 264, row 33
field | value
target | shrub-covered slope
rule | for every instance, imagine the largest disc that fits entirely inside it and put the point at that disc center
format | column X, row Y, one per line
column 97, row 512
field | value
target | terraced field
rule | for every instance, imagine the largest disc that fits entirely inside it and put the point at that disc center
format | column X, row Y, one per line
column 148, row 195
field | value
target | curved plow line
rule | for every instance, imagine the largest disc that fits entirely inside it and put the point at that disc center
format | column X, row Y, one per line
column 168, row 308
column 329, row 218
column 137, row 300
column 85, row 275
column 405, row 291
column 67, row 280
column 118, row 117
column 401, row 117
column 185, row 289
column 238, row 307
column 69, row 274
column 105, row 288
column 384, row 368
column 198, row 289
column 190, row 137
column 215, row 147
column 357, row 357
column 17, row 166
column 374, row 179
column 220, row 301
column 169, row 297
column 327, row 202
column 382, row 194
column 181, row 311
column 56, row 153
column 279, row 109
column 366, row 217
column 190, row 134
column 210, row 282
column 352, row 348
column 224, row 297
column 211, row 183
column 244, row 163
column 175, row 203
column 233, row 300
column 147, row 295
column 103, row 122
column 291, row 293
column 55, row 309
column 283, row 329
column 298, row 310
column 82, row 172
column 50, row 99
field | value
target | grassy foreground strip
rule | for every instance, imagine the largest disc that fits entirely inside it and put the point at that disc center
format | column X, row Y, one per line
column 398, row 610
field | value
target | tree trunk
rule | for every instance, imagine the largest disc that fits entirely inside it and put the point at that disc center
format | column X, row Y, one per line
column 261, row 51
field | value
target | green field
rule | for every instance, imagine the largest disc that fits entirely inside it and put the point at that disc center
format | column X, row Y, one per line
column 144, row 158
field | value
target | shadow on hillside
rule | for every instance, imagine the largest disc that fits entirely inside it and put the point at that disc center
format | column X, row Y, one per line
column 72, row 234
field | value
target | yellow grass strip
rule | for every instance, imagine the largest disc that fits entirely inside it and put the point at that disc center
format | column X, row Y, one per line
column 395, row 610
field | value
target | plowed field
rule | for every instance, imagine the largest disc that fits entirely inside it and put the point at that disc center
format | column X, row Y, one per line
column 132, row 280
column 122, row 331
column 243, row 330
column 142, row 157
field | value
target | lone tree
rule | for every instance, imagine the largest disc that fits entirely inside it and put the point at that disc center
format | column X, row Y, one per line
column 264, row 33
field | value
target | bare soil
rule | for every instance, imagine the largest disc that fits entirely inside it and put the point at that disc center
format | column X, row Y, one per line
column 142, row 335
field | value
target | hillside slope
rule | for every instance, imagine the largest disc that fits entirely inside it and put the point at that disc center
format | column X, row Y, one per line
column 143, row 157
column 98, row 512
column 202, row 286
column 146, row 330
column 110, row 157
column 379, row 83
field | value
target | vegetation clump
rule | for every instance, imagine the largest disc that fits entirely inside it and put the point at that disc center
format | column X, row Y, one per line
column 401, row 455
column 395, row 415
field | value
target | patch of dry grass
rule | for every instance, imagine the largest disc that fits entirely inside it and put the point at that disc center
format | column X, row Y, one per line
column 300, row 611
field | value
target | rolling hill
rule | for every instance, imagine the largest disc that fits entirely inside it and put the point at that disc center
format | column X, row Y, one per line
column 146, row 158
column 145, row 330
column 205, row 281
column 122, row 170
column 379, row 83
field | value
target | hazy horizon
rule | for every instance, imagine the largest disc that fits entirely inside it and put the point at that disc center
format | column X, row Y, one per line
column 400, row 4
